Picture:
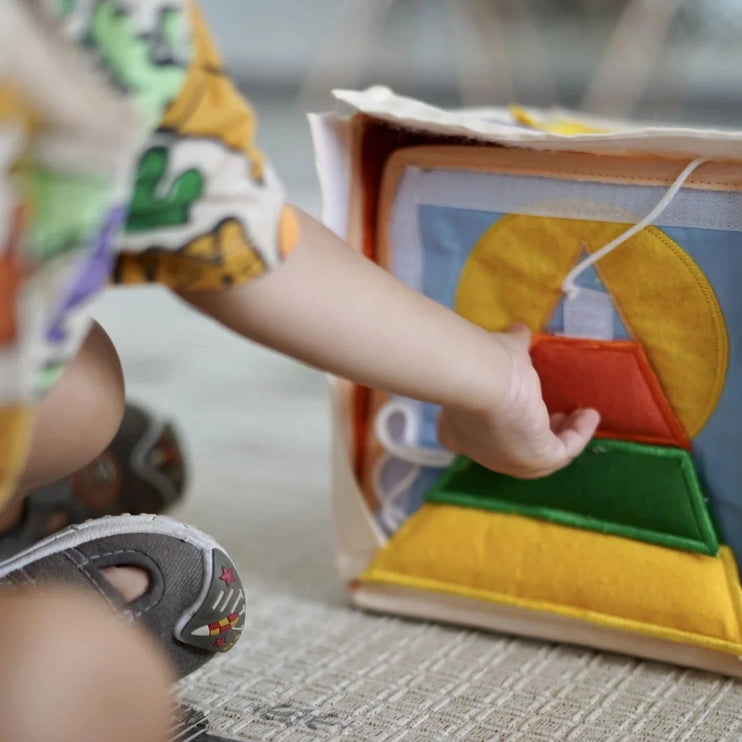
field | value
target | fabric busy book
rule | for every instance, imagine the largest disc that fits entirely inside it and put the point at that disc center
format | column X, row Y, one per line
column 621, row 246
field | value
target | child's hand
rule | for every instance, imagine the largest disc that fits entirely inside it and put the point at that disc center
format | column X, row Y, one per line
column 332, row 308
column 514, row 435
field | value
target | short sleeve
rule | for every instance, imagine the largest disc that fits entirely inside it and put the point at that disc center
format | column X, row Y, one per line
column 207, row 210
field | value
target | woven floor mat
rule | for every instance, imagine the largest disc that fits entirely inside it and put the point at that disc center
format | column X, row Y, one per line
column 306, row 671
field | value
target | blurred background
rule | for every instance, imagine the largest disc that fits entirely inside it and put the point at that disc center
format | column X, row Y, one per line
column 256, row 424
column 668, row 60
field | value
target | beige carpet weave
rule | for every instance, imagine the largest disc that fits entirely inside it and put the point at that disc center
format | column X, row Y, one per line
column 306, row 671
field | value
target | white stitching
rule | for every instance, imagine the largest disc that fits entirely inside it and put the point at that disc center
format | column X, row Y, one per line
column 114, row 553
column 90, row 577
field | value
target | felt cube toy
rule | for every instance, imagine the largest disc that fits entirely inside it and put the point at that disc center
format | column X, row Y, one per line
column 503, row 215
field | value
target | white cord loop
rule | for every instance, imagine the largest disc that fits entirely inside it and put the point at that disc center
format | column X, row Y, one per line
column 391, row 514
column 418, row 455
column 569, row 286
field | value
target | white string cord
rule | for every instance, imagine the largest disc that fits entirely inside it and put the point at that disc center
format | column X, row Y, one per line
column 569, row 286
column 418, row 455
column 391, row 514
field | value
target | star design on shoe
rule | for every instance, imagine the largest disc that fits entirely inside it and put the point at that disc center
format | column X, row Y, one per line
column 217, row 623
column 227, row 576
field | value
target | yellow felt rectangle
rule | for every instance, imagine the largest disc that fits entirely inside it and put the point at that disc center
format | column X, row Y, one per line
column 603, row 579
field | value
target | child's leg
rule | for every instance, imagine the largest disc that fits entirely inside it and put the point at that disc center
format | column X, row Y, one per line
column 70, row 671
column 79, row 416
column 73, row 424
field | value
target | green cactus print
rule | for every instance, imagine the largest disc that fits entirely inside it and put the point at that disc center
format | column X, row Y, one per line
column 152, row 209
column 152, row 67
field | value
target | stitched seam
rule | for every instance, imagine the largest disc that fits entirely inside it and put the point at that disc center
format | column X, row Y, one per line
column 719, row 328
column 615, row 178
column 677, row 433
column 147, row 606
column 14, row 580
column 703, row 524
column 421, row 156
column 377, row 575
column 91, row 580
column 612, row 178
column 712, row 304
column 113, row 553
column 144, row 609
column 703, row 541
column 30, row 579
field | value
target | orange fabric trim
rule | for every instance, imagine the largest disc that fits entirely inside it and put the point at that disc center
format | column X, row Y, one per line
column 713, row 176
column 374, row 142
column 11, row 274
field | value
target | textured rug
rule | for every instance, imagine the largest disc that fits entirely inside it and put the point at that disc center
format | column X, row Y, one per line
column 306, row 671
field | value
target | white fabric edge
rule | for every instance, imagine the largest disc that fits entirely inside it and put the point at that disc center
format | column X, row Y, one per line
column 357, row 535
column 534, row 624
column 332, row 153
column 669, row 141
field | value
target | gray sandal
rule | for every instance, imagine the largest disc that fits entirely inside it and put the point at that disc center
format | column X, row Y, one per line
column 142, row 471
column 195, row 604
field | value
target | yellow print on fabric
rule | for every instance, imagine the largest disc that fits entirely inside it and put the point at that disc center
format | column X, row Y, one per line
column 207, row 211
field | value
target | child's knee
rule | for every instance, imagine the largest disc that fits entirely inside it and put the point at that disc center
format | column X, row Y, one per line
column 97, row 381
column 86, row 674
column 80, row 415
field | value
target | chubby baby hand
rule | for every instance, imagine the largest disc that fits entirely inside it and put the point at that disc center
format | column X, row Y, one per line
column 512, row 432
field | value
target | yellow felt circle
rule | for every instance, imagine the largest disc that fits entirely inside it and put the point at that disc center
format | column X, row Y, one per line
column 515, row 271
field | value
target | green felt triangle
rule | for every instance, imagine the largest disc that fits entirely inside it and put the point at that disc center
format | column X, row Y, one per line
column 649, row 493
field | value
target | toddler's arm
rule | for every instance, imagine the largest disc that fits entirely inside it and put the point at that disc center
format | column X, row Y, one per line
column 332, row 308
